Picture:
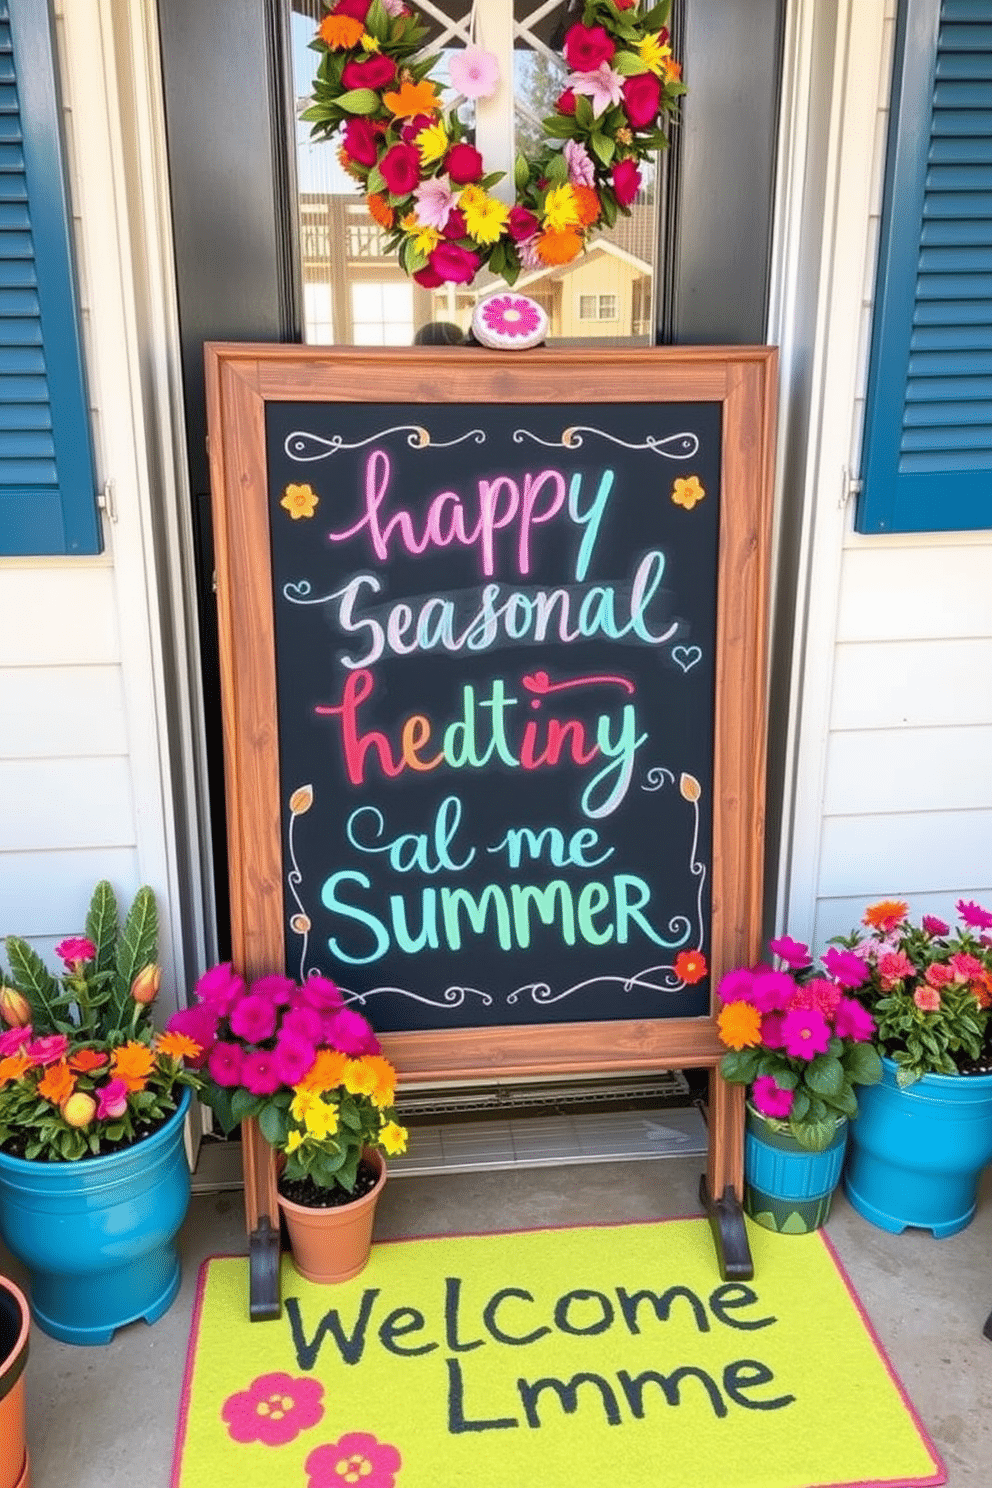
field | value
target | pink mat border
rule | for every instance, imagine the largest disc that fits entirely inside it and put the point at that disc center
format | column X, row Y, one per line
column 938, row 1477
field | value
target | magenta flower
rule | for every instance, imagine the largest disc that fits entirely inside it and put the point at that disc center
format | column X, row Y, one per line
column 77, row 950
column 736, row 986
column 806, row 1033
column 819, row 994
column 357, row 1457
column 522, row 224
column 13, row 1039
column 792, row 952
column 965, row 967
column 111, row 1100
column 224, row 1063
column 350, row 1033
column 274, row 1409
column 48, row 1050
column 278, row 990
column 772, row 991
column 454, row 265
column 320, row 993
column 933, row 926
column 974, row 916
column 852, row 1021
column 474, row 72
column 200, row 1024
column 304, row 1022
column 259, row 1072
column 770, row 1099
column 400, row 167
column 847, row 969
column 292, row 1057
column 587, row 47
column 626, row 181
column 510, row 315
column 253, row 1019
column 220, row 987
column 771, row 1031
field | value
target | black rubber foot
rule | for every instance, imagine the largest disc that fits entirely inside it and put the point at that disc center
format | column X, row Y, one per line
column 264, row 1303
column 726, row 1219
column 987, row 1330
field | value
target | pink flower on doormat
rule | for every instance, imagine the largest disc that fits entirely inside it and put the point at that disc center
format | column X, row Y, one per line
column 356, row 1458
column 274, row 1409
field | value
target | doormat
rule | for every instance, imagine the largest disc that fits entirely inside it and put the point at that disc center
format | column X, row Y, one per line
column 569, row 1358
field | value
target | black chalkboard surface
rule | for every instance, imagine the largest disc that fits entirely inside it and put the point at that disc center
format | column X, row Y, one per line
column 495, row 632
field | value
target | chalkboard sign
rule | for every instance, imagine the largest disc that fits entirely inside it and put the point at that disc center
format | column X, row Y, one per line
column 492, row 632
column 495, row 638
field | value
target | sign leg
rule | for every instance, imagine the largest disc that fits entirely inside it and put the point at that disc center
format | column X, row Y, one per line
column 721, row 1189
column 262, row 1223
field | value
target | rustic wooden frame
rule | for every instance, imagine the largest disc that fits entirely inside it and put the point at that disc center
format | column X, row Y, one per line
column 241, row 379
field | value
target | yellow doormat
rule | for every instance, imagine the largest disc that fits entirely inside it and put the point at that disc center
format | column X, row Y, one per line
column 602, row 1357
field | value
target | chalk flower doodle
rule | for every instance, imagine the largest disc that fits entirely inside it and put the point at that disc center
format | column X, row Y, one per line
column 300, row 501
column 687, row 492
column 690, row 967
column 274, row 1409
column 357, row 1457
column 374, row 92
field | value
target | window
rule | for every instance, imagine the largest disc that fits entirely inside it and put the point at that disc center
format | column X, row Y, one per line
column 927, row 462
column 597, row 307
column 382, row 314
column 47, row 488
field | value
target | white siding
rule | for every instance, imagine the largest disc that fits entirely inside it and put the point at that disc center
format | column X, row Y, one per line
column 893, row 790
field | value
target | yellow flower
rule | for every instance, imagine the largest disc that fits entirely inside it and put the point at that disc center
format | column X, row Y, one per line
column 485, row 217
column 393, row 1137
column 424, row 238
column 687, row 492
column 653, row 51
column 369, row 43
column 561, row 210
column 321, row 1120
column 740, row 1025
column 294, row 1140
column 432, row 143
column 359, row 1079
column 302, row 1101
column 299, row 501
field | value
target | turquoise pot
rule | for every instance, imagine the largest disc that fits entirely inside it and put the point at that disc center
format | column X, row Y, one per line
column 917, row 1153
column 98, row 1236
column 786, row 1187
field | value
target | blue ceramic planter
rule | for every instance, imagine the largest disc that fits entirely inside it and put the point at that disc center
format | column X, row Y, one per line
column 787, row 1188
column 917, row 1154
column 98, row 1236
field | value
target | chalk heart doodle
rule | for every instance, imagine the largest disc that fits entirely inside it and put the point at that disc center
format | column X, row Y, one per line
column 686, row 657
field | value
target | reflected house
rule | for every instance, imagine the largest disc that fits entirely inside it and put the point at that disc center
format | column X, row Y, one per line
column 363, row 296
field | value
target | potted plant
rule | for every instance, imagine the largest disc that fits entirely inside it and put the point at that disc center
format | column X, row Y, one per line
column 924, row 1134
column 310, row 1071
column 800, row 1044
column 14, row 1331
column 94, row 1183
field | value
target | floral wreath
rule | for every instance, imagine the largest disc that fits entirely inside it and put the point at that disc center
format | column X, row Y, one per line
column 426, row 183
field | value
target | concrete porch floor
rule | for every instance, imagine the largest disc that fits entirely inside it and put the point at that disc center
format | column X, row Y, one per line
column 105, row 1417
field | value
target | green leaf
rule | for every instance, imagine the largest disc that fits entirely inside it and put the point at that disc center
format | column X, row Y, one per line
column 584, row 116
column 244, row 1104
column 375, row 181
column 629, row 64
column 557, row 170
column 377, row 21
column 273, row 1124
column 101, row 925
column 864, row 1067
column 814, row 1135
column 521, row 173
column 740, row 1066
column 32, row 977
column 825, row 1076
column 139, row 942
column 359, row 101
column 654, row 19
column 602, row 147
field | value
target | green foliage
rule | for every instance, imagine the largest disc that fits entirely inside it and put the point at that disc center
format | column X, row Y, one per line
column 138, row 943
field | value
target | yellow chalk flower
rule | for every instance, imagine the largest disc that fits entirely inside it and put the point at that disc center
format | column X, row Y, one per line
column 686, row 492
column 300, row 501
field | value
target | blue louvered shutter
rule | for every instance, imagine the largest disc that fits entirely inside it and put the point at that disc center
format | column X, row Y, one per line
column 47, row 489
column 927, row 463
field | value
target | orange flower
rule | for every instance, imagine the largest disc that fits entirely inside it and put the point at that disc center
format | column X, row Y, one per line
column 559, row 247
column 340, row 32
column 380, row 211
column 412, row 99
column 358, row 1078
column 982, row 988
column 886, row 914
column 14, row 1066
column 587, row 202
column 690, row 966
column 132, row 1065
column 673, row 69
column 326, row 1072
column 740, row 1025
column 687, row 490
column 87, row 1060
column 383, row 1086
column 58, row 1084
column 178, row 1045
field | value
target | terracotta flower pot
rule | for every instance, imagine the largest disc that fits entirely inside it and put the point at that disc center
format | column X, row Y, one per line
column 333, row 1244
column 15, row 1320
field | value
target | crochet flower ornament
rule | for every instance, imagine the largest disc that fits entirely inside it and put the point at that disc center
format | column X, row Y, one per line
column 427, row 185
